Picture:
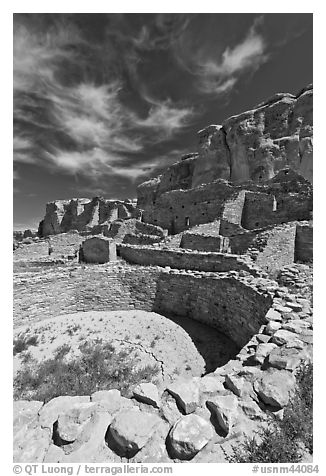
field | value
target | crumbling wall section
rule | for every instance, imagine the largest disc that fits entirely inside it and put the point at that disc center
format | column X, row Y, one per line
column 304, row 242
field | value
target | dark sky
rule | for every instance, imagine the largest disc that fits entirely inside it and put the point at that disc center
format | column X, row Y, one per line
column 104, row 101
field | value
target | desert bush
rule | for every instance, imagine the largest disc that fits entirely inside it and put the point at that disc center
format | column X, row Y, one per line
column 97, row 367
column 22, row 343
column 284, row 441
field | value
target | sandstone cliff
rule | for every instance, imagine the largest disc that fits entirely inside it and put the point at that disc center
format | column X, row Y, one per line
column 83, row 214
column 253, row 145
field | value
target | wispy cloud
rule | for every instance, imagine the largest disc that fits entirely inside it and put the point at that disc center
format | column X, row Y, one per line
column 163, row 31
column 165, row 117
column 70, row 119
column 221, row 75
column 217, row 72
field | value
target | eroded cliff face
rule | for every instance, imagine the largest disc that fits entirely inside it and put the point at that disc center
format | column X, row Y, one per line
column 83, row 214
column 254, row 145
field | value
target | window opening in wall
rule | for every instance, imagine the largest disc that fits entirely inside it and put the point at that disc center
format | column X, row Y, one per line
column 187, row 221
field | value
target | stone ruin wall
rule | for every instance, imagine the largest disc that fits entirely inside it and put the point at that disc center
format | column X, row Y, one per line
column 154, row 288
column 84, row 214
column 225, row 303
column 304, row 242
column 200, row 242
column 287, row 197
column 184, row 259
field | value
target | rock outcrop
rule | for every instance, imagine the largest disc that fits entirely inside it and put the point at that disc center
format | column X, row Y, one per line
column 254, row 145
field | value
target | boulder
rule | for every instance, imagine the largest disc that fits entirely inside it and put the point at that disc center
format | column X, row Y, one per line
column 224, row 408
column 262, row 351
column 272, row 327
column 31, row 444
column 25, row 411
column 131, row 429
column 189, row 435
column 251, row 409
column 274, row 387
column 71, row 423
column 50, row 412
column 108, row 400
column 235, row 384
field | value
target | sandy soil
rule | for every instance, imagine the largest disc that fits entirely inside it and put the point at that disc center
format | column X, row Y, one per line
column 149, row 337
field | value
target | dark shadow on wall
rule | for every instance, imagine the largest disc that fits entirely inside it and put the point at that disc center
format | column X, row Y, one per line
column 215, row 348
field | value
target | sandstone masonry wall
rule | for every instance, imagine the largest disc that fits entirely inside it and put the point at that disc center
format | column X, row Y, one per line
column 271, row 248
column 233, row 304
column 221, row 302
column 195, row 241
column 183, row 259
column 286, row 197
column 304, row 242
column 83, row 214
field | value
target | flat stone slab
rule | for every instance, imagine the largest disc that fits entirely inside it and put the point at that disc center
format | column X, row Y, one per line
column 24, row 411
column 283, row 336
column 211, row 383
column 189, row 435
column 111, row 401
column 273, row 315
column 147, row 393
column 285, row 358
column 298, row 326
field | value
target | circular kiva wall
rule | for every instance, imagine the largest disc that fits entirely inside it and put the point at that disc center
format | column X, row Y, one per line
column 233, row 304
